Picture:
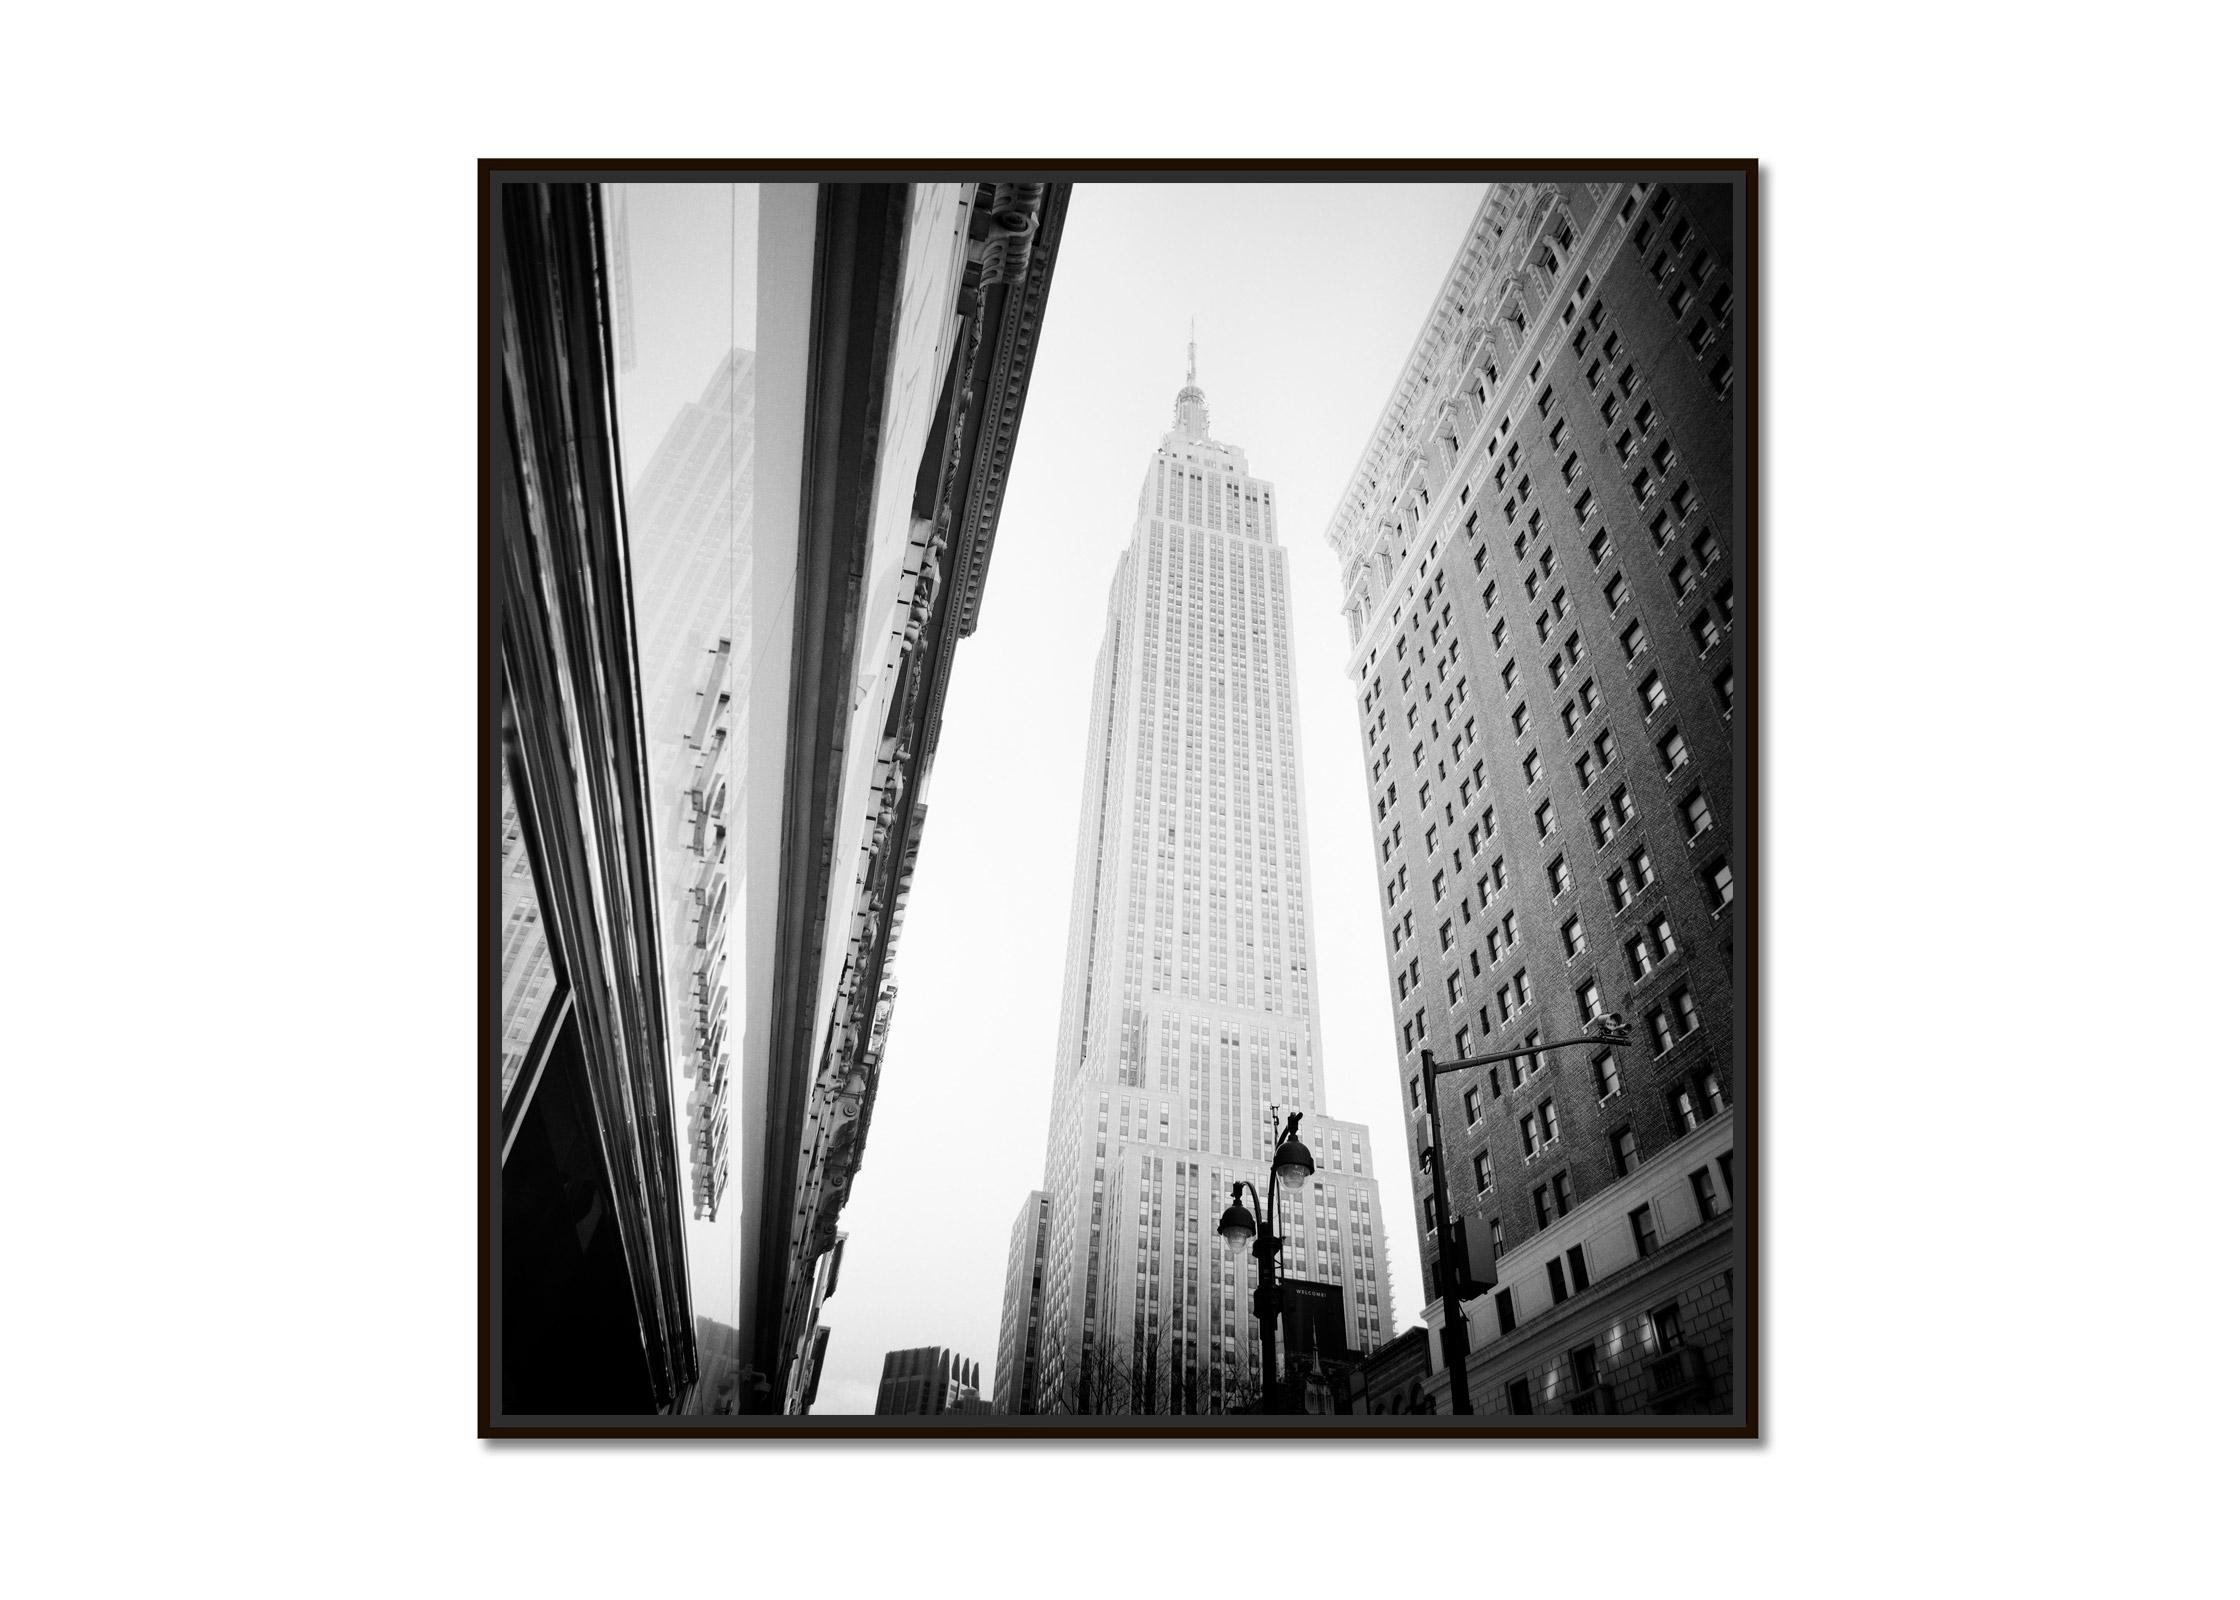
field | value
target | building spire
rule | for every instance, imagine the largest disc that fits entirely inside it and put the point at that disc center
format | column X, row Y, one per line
column 1190, row 403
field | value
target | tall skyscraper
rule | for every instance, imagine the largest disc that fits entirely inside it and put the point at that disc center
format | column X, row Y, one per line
column 687, row 508
column 1190, row 994
column 1019, row 1347
column 1536, row 552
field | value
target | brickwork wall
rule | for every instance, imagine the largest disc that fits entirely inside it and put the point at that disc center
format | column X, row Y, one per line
column 1572, row 521
column 1622, row 1331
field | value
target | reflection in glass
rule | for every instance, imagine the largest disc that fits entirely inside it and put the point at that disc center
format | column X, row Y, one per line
column 526, row 980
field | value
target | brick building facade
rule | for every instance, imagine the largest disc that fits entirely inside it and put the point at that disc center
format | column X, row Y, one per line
column 1539, row 551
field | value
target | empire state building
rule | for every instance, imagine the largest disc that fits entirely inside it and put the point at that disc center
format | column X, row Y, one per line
column 1190, row 992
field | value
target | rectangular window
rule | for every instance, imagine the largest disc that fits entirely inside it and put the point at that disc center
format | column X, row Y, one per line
column 1563, row 1194
column 1520, row 1398
column 1473, row 1105
column 1707, row 1197
column 1666, row 1325
column 1577, row 1257
column 1695, row 814
column 1590, row 1001
column 1574, row 937
column 1528, row 1130
column 1674, row 751
column 1556, row 1286
column 1505, row 1314
column 1540, row 1205
column 1718, row 882
column 1644, row 1231
column 1605, row 1075
column 1652, row 694
column 1482, row 1165
column 1621, row 805
column 1543, row 817
column 1633, row 640
column 1559, row 877
column 1624, row 1151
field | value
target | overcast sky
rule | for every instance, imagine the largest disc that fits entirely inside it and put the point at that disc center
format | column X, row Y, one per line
column 1307, row 299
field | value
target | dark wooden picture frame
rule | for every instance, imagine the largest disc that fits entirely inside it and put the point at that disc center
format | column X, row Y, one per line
column 582, row 1178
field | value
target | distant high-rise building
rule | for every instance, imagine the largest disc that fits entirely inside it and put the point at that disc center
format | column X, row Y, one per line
column 685, row 510
column 1019, row 1347
column 1537, row 548
column 928, row 1382
column 1190, row 991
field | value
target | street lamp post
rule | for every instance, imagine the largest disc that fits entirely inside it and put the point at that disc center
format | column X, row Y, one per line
column 1292, row 1166
column 1608, row 1030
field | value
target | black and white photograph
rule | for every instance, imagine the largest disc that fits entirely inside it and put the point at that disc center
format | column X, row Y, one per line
column 1037, row 800
column 1117, row 803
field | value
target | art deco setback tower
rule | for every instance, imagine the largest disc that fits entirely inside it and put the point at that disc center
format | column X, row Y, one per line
column 1190, row 998
column 1536, row 548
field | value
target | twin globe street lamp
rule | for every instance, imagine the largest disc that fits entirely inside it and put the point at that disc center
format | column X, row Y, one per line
column 1292, row 1166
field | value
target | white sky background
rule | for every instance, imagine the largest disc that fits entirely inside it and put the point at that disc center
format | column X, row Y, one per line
column 1307, row 299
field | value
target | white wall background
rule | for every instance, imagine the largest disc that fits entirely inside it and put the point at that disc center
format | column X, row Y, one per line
column 241, row 404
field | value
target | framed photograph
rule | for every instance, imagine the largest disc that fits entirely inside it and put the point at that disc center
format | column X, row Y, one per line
column 1119, row 800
